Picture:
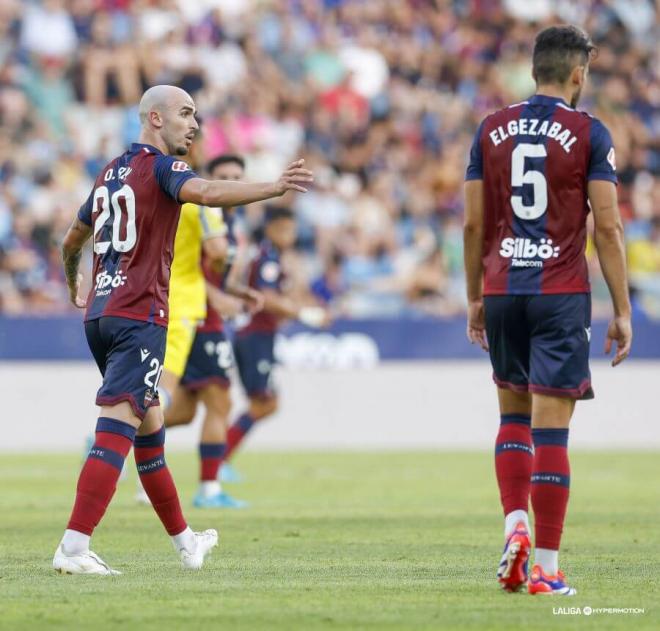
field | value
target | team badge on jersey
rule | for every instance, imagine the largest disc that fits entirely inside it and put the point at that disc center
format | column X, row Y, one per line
column 270, row 271
column 179, row 165
column 611, row 158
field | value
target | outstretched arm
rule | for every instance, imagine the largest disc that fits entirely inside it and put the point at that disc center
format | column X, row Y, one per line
column 72, row 246
column 285, row 307
column 234, row 193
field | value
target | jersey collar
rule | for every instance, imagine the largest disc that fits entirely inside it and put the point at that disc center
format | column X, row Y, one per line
column 140, row 146
column 542, row 99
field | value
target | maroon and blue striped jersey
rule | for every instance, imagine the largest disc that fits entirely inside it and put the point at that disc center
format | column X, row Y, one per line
column 535, row 159
column 134, row 210
column 265, row 273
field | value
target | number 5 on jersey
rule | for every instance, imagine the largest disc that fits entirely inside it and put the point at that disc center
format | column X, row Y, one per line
column 121, row 201
column 519, row 177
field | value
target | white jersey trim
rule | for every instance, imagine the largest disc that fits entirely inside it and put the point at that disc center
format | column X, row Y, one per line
column 517, row 104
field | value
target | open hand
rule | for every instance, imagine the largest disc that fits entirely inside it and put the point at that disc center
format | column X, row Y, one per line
column 619, row 331
column 74, row 294
column 476, row 325
column 293, row 178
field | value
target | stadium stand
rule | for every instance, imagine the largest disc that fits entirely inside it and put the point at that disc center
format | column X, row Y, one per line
column 382, row 98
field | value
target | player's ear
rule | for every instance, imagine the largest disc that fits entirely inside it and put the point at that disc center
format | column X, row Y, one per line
column 155, row 119
column 579, row 75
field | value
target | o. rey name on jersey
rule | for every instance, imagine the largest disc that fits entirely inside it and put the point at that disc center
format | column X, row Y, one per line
column 134, row 210
column 535, row 160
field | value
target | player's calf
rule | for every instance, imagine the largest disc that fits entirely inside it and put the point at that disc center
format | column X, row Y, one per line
column 513, row 467
column 96, row 486
column 157, row 481
column 550, row 492
column 159, row 486
column 260, row 408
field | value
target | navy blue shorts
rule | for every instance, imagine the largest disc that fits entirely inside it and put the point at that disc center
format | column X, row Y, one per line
column 255, row 359
column 129, row 354
column 541, row 343
column 210, row 358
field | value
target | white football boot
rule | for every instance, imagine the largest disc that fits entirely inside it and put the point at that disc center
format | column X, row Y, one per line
column 204, row 542
column 83, row 563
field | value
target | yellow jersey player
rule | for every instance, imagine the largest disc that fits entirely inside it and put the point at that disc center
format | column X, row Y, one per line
column 200, row 230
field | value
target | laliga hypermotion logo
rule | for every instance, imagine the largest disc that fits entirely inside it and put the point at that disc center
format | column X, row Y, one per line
column 526, row 252
column 105, row 282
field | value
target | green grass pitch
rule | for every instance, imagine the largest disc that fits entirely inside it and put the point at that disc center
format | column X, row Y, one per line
column 332, row 541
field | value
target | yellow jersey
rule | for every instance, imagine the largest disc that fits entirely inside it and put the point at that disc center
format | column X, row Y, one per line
column 187, row 297
column 643, row 257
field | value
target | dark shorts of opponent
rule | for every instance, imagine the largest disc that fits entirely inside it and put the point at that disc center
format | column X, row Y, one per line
column 210, row 359
column 541, row 343
column 255, row 359
column 129, row 354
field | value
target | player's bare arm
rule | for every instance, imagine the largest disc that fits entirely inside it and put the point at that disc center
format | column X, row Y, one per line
column 473, row 238
column 234, row 286
column 610, row 245
column 225, row 304
column 235, row 193
column 72, row 246
column 215, row 248
column 253, row 298
column 285, row 307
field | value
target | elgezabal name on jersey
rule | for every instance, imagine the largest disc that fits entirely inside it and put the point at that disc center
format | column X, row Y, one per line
column 530, row 127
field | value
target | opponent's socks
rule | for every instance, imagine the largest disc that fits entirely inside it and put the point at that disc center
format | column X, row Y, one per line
column 98, row 478
column 513, row 466
column 157, row 480
column 210, row 457
column 237, row 433
column 551, row 478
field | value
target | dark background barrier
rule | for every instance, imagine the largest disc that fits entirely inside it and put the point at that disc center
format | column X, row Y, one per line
column 62, row 338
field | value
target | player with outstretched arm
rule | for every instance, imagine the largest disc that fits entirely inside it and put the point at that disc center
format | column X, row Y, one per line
column 536, row 170
column 206, row 378
column 254, row 342
column 132, row 212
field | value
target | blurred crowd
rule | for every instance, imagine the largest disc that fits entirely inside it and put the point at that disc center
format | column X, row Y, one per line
column 381, row 98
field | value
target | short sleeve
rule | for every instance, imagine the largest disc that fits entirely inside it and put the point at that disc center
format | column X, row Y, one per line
column 85, row 211
column 475, row 170
column 211, row 222
column 602, row 161
column 171, row 174
column 268, row 274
